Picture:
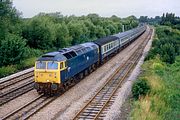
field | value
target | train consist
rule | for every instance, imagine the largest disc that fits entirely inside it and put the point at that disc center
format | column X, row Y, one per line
column 58, row 70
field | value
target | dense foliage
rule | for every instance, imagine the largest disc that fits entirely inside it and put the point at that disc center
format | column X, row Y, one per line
column 54, row 31
column 162, row 71
column 140, row 88
column 12, row 49
column 166, row 44
column 168, row 19
column 23, row 39
column 162, row 102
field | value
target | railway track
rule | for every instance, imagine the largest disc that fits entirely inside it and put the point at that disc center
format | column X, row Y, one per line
column 16, row 79
column 96, row 108
column 30, row 108
column 10, row 94
column 15, row 86
column 98, row 105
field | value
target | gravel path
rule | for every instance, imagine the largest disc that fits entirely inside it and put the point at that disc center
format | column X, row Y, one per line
column 115, row 111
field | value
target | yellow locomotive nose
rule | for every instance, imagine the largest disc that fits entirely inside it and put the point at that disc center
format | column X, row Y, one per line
column 47, row 76
column 47, row 72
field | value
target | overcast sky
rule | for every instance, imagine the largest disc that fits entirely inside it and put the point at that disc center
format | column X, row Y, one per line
column 121, row 8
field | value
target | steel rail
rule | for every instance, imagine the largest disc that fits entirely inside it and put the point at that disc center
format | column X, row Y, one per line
column 109, row 79
column 16, row 91
column 15, row 80
column 124, row 77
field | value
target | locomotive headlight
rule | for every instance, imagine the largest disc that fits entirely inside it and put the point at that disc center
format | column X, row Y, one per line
column 47, row 80
column 36, row 74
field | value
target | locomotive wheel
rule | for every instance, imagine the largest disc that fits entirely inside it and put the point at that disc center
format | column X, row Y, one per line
column 76, row 79
column 39, row 92
column 93, row 67
column 86, row 72
column 73, row 81
column 90, row 69
column 81, row 75
column 66, row 86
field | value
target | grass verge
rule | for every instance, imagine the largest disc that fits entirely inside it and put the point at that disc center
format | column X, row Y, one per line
column 8, row 70
column 163, row 100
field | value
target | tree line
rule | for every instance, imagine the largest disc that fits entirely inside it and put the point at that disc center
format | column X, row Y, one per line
column 166, row 44
column 167, row 41
column 167, row 19
column 23, row 38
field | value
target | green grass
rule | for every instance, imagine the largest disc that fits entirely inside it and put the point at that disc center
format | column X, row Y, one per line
column 4, row 71
column 27, row 63
column 163, row 101
column 8, row 70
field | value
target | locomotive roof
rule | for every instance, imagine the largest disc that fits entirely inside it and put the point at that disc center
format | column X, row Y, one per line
column 105, row 40
column 79, row 49
column 52, row 56
column 67, row 53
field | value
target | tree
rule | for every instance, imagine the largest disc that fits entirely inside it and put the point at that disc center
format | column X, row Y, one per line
column 167, row 46
column 9, row 18
column 78, row 31
column 100, row 32
column 91, row 27
column 40, row 32
column 168, row 19
column 95, row 18
column 143, row 19
column 63, row 38
column 12, row 50
column 109, row 26
column 168, row 53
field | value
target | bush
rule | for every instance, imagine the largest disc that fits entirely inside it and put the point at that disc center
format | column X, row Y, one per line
column 8, row 70
column 140, row 87
column 166, row 46
column 12, row 50
column 27, row 63
column 30, row 52
column 4, row 71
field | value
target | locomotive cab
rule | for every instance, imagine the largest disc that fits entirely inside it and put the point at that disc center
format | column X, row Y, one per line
column 47, row 73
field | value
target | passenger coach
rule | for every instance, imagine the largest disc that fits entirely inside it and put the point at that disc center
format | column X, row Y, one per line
column 59, row 70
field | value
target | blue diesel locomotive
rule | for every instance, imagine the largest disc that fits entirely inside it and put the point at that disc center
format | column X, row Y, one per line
column 58, row 70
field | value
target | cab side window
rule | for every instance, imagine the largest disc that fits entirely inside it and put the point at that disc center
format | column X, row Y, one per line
column 61, row 65
column 65, row 64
